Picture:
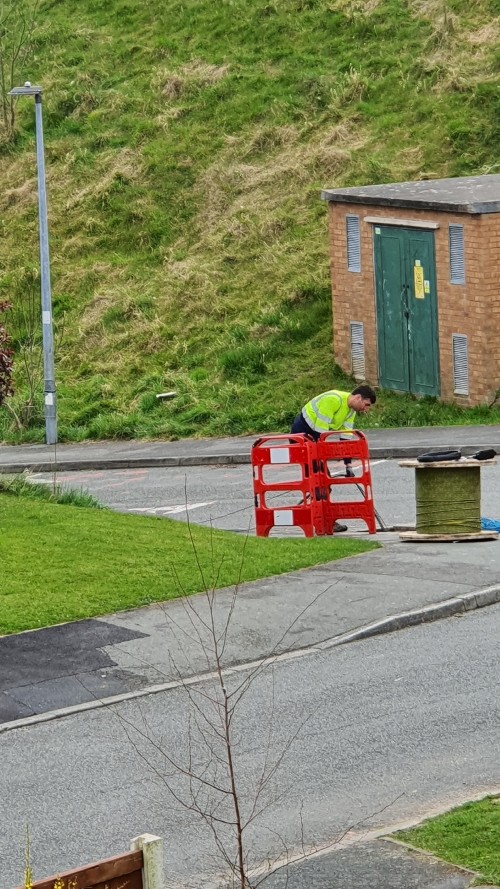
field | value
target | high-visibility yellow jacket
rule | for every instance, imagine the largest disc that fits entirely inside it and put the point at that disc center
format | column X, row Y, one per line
column 329, row 411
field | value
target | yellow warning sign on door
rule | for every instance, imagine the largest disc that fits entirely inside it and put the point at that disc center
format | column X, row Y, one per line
column 418, row 279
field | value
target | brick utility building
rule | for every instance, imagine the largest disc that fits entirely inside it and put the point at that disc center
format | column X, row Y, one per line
column 416, row 285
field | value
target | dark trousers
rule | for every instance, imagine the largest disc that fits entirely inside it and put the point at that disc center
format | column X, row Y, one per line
column 299, row 425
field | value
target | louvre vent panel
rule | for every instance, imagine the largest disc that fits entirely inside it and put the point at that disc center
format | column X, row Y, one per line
column 457, row 256
column 358, row 350
column 353, row 244
column 460, row 364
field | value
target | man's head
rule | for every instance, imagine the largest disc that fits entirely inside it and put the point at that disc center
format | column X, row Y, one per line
column 361, row 399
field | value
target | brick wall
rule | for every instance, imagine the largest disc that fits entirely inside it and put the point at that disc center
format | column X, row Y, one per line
column 472, row 309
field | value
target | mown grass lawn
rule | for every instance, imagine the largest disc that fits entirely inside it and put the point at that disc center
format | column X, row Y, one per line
column 61, row 563
column 468, row 836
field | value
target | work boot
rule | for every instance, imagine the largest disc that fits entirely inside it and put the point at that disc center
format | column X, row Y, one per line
column 338, row 528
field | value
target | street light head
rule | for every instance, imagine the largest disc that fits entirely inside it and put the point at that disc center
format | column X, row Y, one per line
column 26, row 90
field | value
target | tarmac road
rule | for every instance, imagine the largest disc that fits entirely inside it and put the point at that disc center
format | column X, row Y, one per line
column 396, row 727
column 222, row 495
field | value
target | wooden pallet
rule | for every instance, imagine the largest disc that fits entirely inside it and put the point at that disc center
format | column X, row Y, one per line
column 416, row 537
column 464, row 463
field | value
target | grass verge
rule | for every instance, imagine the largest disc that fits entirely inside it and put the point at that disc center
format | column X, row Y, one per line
column 467, row 836
column 19, row 486
column 61, row 564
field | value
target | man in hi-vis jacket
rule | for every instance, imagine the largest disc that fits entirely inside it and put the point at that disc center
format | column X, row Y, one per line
column 334, row 411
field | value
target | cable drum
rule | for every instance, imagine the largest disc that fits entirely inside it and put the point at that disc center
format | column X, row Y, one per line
column 448, row 497
column 448, row 502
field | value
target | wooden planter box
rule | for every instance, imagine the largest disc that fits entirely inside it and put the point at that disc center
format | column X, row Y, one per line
column 141, row 868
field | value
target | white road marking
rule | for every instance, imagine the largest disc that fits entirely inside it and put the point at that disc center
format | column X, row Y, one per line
column 172, row 510
column 356, row 465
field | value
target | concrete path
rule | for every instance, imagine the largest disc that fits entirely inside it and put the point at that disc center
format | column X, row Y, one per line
column 380, row 864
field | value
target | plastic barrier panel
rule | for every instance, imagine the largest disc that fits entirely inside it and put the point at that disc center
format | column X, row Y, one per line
column 294, row 485
column 284, row 497
column 331, row 447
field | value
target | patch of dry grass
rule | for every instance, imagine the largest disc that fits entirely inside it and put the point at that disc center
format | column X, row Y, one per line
column 124, row 164
column 18, row 185
column 355, row 7
column 248, row 219
column 21, row 197
column 487, row 35
column 174, row 84
column 460, row 56
column 410, row 164
column 234, row 188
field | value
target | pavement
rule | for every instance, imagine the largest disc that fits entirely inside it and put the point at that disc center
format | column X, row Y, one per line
column 384, row 444
column 379, row 864
column 49, row 673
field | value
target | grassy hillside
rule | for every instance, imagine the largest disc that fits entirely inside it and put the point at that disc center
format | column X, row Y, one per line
column 186, row 145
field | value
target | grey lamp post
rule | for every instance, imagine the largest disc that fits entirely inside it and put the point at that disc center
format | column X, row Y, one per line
column 50, row 397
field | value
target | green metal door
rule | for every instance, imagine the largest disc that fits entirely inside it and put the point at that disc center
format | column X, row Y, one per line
column 405, row 282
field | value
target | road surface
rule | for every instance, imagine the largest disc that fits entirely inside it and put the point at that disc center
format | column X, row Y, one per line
column 395, row 727
column 222, row 496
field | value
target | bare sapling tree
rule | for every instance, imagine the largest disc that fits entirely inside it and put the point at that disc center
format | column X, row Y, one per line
column 6, row 359
column 17, row 47
column 26, row 323
column 26, row 408
column 206, row 775
column 203, row 778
